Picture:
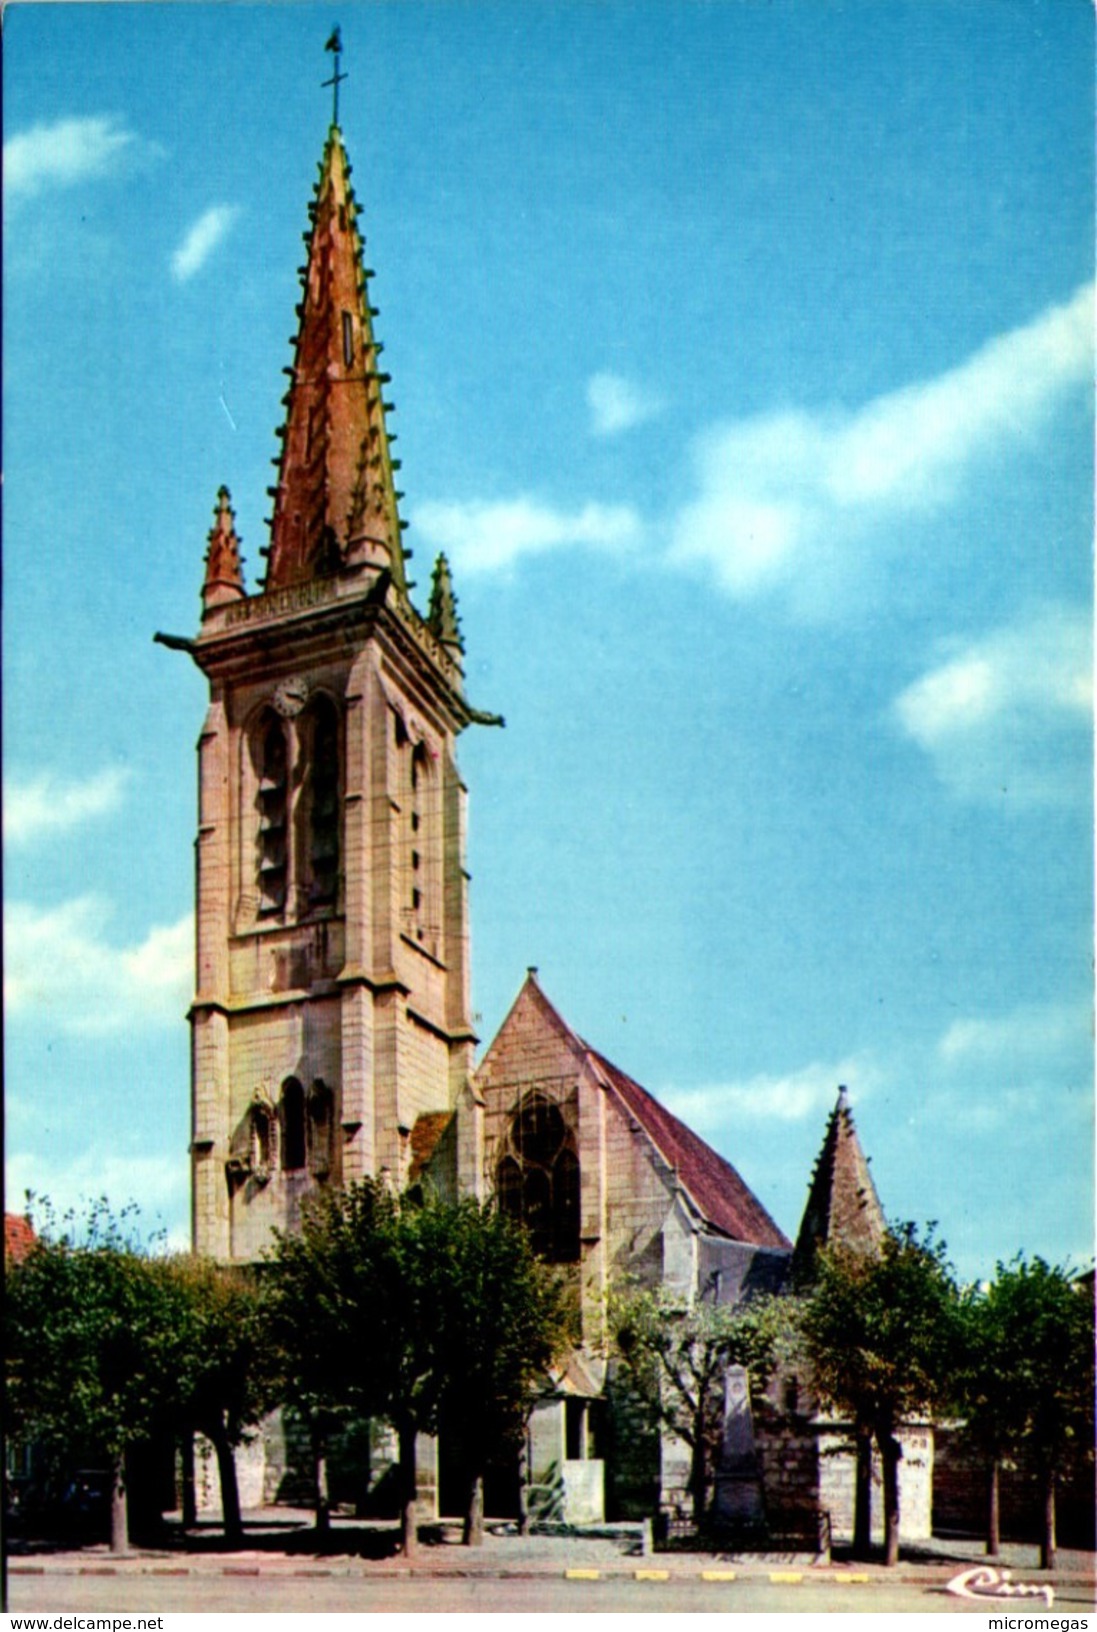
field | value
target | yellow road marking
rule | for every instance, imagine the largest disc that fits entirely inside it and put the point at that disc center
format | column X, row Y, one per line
column 717, row 1575
column 788, row 1578
column 582, row 1575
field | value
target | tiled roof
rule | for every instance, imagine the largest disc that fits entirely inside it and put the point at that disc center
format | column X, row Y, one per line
column 425, row 1137
column 19, row 1237
column 713, row 1185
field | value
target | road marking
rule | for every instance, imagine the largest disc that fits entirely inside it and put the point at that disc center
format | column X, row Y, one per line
column 582, row 1575
column 786, row 1578
column 653, row 1575
column 717, row 1575
column 846, row 1579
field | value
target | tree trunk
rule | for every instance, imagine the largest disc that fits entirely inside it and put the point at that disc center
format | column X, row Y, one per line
column 320, row 1480
column 409, row 1503
column 862, row 1496
column 119, row 1517
column 697, row 1482
column 189, row 1502
column 890, row 1454
column 472, row 1532
column 230, row 1490
column 523, row 1486
column 994, row 1508
column 1047, row 1542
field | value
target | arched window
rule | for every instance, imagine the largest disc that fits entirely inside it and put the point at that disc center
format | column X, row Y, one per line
column 322, row 747
column 272, row 802
column 537, row 1179
column 321, row 1122
column 293, row 1126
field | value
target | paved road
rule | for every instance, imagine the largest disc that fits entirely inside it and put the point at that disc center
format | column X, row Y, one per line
column 288, row 1594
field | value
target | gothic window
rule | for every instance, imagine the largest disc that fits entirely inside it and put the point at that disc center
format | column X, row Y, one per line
column 321, row 1121
column 537, row 1179
column 322, row 748
column 293, row 1125
column 272, row 800
column 348, row 340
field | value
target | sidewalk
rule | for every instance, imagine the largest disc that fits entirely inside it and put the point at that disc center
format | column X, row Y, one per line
column 282, row 1543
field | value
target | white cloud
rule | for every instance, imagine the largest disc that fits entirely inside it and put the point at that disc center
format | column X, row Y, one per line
column 61, row 971
column 482, row 537
column 1002, row 714
column 1033, row 1036
column 617, row 404
column 158, row 1185
column 201, row 239
column 62, row 154
column 34, row 806
column 809, row 1092
column 779, row 494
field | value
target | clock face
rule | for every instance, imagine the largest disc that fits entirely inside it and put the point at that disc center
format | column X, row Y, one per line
column 290, row 697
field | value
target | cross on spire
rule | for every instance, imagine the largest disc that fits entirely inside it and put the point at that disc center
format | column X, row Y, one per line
column 335, row 44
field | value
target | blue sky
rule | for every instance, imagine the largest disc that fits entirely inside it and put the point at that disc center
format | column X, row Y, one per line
column 742, row 356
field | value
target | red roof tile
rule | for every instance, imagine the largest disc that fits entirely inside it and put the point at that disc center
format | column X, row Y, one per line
column 19, row 1237
column 717, row 1191
column 425, row 1138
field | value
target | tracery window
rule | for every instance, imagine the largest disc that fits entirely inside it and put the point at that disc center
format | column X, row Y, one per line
column 321, row 731
column 272, row 800
column 537, row 1179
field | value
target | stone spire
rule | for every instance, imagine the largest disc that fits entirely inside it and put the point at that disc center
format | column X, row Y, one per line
column 442, row 619
column 224, row 577
column 842, row 1205
column 335, row 505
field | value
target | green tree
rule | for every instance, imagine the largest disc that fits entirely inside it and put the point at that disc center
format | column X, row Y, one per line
column 95, row 1341
column 340, row 1326
column 1027, row 1385
column 499, row 1323
column 227, row 1380
column 411, row 1309
column 675, row 1356
column 882, row 1337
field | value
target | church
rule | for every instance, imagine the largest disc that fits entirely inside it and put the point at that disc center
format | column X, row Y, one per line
column 332, row 1034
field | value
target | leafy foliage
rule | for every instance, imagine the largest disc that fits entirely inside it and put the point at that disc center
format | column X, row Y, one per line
column 882, row 1335
column 882, row 1331
column 1037, row 1375
column 95, row 1341
column 500, row 1322
column 412, row 1309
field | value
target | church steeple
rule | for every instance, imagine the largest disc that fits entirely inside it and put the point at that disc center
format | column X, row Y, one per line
column 842, row 1206
column 335, row 505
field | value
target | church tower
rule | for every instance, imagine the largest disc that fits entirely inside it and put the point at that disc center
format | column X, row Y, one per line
column 331, row 1014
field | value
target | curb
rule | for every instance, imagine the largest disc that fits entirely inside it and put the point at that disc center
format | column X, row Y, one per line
column 514, row 1572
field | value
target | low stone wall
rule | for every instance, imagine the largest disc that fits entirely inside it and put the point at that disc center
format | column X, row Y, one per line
column 960, row 1495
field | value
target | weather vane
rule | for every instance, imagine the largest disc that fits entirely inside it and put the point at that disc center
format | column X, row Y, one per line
column 335, row 44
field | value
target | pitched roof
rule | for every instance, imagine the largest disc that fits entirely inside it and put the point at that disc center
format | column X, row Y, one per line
column 842, row 1205
column 426, row 1136
column 19, row 1237
column 717, row 1192
column 712, row 1184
